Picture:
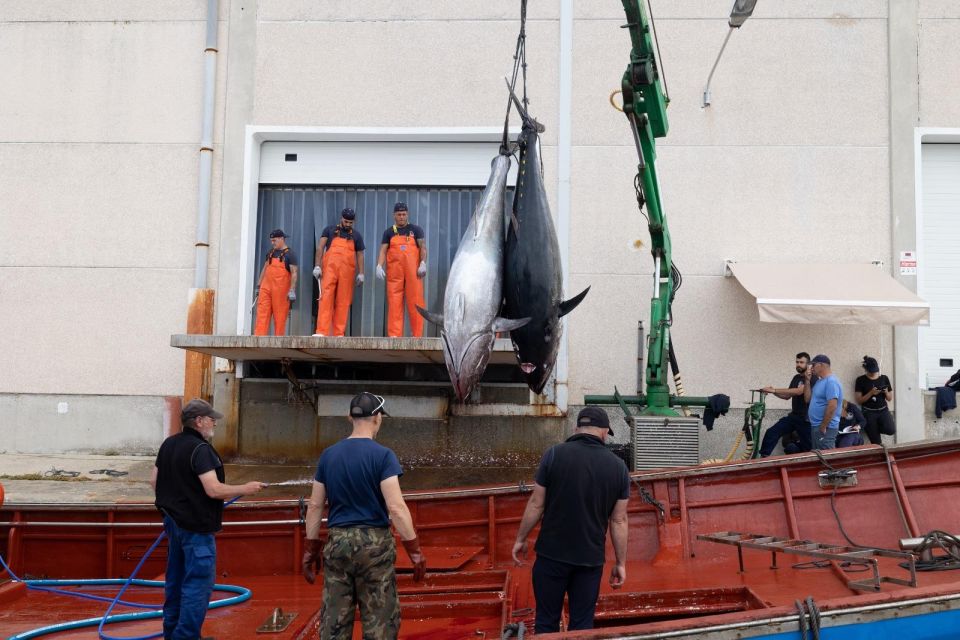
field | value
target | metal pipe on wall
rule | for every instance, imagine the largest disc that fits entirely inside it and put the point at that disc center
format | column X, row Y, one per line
column 202, row 243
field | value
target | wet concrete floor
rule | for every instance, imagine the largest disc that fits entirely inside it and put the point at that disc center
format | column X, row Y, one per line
column 41, row 479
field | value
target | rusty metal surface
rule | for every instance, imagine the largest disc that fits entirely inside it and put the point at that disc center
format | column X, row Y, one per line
column 197, row 366
column 328, row 349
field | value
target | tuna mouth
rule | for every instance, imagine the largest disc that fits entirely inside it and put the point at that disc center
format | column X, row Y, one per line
column 527, row 367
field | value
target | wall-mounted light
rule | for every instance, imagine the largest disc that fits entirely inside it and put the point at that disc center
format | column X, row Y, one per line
column 742, row 9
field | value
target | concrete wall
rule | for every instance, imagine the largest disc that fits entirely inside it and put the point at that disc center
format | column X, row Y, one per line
column 799, row 157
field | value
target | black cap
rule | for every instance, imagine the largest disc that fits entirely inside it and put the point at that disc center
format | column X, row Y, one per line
column 278, row 233
column 366, row 404
column 348, row 214
column 400, row 206
column 822, row 359
column 197, row 408
column 871, row 365
column 594, row 417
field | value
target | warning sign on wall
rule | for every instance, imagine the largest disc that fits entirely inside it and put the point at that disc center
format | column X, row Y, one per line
column 908, row 263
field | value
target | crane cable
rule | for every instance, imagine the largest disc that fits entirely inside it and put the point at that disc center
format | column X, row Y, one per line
column 519, row 66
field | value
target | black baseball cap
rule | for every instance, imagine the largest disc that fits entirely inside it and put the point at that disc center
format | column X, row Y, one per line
column 400, row 206
column 870, row 364
column 197, row 408
column 366, row 404
column 278, row 233
column 820, row 358
column 348, row 214
column 594, row 417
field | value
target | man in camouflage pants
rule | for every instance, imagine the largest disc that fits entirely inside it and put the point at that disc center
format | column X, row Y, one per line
column 359, row 479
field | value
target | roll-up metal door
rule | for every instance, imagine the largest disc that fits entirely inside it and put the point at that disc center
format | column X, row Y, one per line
column 303, row 213
column 939, row 263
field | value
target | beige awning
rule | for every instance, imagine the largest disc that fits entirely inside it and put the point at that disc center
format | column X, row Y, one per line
column 830, row 294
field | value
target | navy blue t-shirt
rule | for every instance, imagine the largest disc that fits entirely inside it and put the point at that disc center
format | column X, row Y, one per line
column 336, row 231
column 351, row 471
column 409, row 230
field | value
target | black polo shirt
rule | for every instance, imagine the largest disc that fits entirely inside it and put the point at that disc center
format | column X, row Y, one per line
column 583, row 480
column 182, row 459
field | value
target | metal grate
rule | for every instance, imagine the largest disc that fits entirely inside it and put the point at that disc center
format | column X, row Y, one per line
column 660, row 441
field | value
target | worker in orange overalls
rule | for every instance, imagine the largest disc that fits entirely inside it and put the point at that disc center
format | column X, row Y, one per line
column 277, row 286
column 339, row 260
column 403, row 250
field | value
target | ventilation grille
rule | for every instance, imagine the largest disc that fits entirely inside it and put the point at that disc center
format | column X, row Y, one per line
column 660, row 441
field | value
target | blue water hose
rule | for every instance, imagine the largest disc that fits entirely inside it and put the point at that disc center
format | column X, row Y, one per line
column 243, row 594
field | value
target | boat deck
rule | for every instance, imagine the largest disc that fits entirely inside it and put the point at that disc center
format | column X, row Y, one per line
column 676, row 582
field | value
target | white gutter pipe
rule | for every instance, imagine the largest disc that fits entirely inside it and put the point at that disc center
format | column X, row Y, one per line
column 564, row 141
column 202, row 243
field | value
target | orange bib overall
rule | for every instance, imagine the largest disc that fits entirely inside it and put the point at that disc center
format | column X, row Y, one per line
column 403, row 258
column 336, row 286
column 273, row 297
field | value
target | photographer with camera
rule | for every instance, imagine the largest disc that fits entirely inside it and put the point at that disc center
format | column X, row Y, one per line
column 873, row 393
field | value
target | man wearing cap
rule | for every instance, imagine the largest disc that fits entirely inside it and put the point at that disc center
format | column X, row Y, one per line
column 359, row 480
column 825, row 397
column 403, row 249
column 188, row 480
column 339, row 260
column 277, row 286
column 581, row 489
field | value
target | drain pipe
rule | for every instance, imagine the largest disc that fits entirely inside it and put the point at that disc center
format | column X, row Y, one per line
column 196, row 382
column 206, row 147
column 563, row 186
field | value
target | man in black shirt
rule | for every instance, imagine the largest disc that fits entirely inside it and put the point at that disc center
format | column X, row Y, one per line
column 796, row 421
column 581, row 489
column 188, row 481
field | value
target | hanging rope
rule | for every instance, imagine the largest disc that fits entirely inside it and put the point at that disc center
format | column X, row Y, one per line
column 519, row 68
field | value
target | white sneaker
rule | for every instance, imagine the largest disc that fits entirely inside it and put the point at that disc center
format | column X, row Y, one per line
column 319, row 335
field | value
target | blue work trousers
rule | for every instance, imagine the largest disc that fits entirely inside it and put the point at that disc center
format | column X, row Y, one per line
column 826, row 440
column 790, row 423
column 551, row 580
column 191, row 567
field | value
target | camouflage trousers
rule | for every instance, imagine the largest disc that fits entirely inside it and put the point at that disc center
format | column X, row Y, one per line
column 358, row 570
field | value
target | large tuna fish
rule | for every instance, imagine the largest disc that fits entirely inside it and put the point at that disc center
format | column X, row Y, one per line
column 533, row 278
column 474, row 290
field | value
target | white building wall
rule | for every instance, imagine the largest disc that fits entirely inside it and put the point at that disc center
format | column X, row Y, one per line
column 100, row 121
column 99, row 135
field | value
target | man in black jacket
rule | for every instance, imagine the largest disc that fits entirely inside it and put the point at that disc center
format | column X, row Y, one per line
column 188, row 481
column 581, row 489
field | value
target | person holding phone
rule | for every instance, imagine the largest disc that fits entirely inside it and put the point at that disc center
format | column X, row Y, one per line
column 873, row 393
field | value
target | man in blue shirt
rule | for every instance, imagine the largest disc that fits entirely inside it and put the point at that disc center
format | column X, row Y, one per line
column 359, row 479
column 826, row 398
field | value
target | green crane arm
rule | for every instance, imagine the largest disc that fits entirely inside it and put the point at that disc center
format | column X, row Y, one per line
column 645, row 106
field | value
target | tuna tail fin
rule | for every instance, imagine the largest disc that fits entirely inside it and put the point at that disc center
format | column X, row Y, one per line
column 502, row 325
column 569, row 305
column 435, row 318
